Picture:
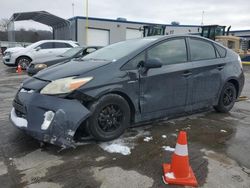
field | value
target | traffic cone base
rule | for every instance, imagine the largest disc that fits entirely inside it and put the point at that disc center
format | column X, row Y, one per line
column 19, row 69
column 189, row 181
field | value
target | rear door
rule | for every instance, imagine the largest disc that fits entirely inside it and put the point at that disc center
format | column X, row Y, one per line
column 59, row 48
column 163, row 91
column 207, row 69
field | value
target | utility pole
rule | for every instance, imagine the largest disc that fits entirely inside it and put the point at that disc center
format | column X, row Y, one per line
column 73, row 8
column 87, row 19
column 202, row 17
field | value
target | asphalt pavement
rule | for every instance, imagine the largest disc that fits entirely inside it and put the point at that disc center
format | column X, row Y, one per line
column 218, row 144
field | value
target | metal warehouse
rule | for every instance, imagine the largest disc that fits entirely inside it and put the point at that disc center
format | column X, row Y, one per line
column 102, row 32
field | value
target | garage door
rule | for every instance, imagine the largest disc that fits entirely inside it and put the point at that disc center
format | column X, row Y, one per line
column 133, row 34
column 98, row 37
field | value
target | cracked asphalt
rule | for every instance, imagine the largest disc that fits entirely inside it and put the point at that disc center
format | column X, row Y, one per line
column 219, row 150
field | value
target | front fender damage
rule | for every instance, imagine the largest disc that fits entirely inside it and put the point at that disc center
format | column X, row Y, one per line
column 61, row 132
column 50, row 119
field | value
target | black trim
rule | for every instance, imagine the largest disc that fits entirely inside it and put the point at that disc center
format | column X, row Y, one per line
column 76, row 30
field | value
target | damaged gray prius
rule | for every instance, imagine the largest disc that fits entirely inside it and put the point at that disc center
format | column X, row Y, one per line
column 133, row 81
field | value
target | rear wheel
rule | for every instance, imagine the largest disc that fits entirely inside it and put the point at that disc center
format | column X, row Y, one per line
column 227, row 98
column 23, row 62
column 110, row 117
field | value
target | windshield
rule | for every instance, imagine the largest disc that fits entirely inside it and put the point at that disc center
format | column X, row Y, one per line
column 118, row 50
column 71, row 52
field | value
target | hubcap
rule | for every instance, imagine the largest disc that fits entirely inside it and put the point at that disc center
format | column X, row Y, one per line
column 110, row 118
column 24, row 63
column 228, row 97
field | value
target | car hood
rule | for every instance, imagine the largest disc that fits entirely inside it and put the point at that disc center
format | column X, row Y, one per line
column 72, row 68
column 14, row 49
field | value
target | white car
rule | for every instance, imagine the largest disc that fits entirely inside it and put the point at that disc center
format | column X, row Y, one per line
column 44, row 48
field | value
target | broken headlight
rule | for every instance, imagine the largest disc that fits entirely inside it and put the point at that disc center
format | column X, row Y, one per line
column 64, row 85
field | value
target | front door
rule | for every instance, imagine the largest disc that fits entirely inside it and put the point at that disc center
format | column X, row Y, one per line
column 163, row 91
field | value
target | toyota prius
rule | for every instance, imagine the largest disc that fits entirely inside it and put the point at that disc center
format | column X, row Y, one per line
column 127, row 83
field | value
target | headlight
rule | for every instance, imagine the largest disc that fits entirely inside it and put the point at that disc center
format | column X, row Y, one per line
column 40, row 66
column 7, row 55
column 64, row 85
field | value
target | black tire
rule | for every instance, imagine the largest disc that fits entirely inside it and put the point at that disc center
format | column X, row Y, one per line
column 110, row 117
column 24, row 62
column 227, row 98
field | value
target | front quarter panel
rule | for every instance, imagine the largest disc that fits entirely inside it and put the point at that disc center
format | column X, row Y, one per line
column 114, row 81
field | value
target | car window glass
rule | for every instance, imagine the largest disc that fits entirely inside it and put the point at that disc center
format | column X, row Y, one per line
column 222, row 51
column 217, row 54
column 201, row 50
column 47, row 45
column 133, row 63
column 170, row 52
column 61, row 45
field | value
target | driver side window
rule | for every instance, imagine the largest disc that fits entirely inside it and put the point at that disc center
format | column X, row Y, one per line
column 170, row 52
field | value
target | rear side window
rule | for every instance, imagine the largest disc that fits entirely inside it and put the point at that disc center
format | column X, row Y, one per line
column 62, row 45
column 201, row 50
column 170, row 52
column 222, row 51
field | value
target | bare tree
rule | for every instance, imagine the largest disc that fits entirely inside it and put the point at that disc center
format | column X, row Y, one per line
column 4, row 24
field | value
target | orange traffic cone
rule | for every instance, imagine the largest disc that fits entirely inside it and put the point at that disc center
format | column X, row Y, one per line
column 179, row 172
column 19, row 69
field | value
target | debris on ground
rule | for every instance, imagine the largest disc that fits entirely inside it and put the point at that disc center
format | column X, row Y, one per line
column 147, row 139
column 168, row 148
column 223, row 131
column 164, row 136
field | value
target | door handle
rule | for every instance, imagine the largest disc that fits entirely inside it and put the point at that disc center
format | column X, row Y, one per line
column 220, row 67
column 187, row 73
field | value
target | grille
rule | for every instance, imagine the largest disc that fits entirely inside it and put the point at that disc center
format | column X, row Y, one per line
column 19, row 108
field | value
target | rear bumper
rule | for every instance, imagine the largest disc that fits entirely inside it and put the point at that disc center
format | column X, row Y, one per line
column 29, row 114
column 241, row 83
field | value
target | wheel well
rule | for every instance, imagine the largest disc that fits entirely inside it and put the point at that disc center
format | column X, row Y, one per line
column 236, row 85
column 82, row 131
column 130, row 103
column 23, row 56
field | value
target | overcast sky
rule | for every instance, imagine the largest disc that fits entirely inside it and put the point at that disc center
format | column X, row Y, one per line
column 223, row 12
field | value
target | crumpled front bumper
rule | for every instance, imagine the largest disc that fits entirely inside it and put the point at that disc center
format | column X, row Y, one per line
column 31, row 108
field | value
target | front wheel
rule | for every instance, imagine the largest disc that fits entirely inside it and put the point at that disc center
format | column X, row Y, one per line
column 110, row 117
column 227, row 98
column 23, row 62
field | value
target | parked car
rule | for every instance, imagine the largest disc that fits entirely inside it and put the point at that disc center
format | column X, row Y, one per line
column 44, row 48
column 126, row 83
column 76, row 52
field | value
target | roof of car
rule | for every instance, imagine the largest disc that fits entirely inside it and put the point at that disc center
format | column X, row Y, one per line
column 160, row 37
column 56, row 41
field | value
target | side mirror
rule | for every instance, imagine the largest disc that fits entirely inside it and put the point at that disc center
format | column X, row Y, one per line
column 38, row 48
column 152, row 63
